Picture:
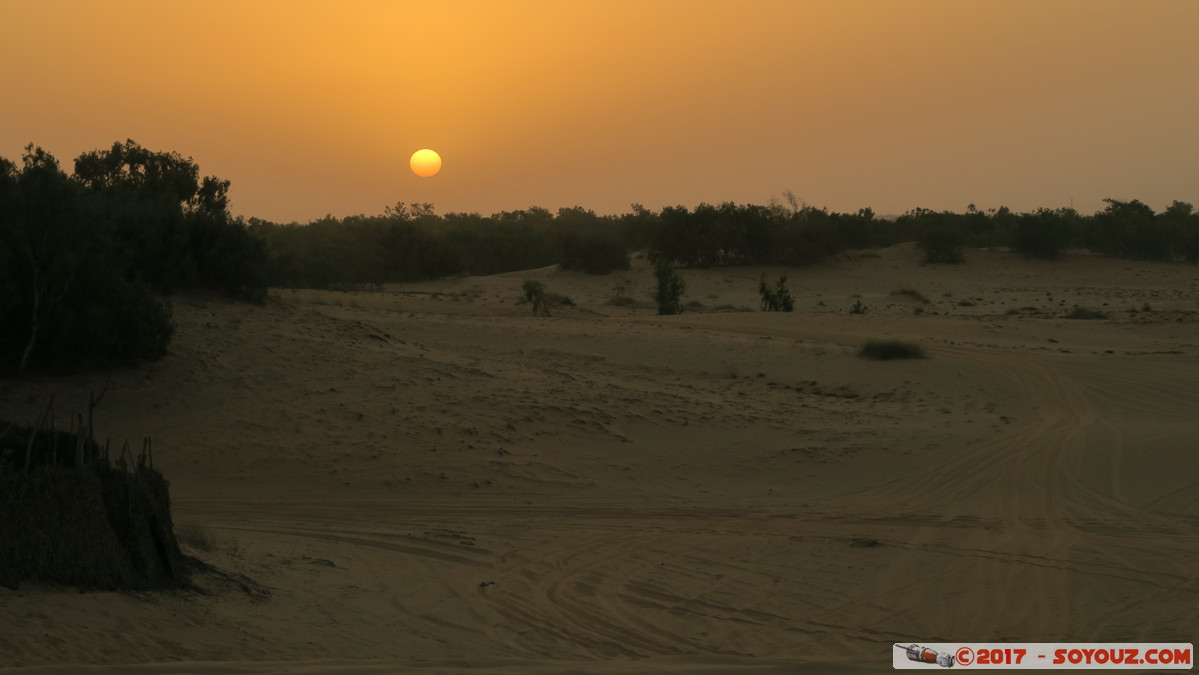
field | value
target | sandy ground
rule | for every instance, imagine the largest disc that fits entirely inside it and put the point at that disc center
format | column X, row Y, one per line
column 429, row 478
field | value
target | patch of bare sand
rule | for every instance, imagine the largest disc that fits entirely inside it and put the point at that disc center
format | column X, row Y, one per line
column 429, row 478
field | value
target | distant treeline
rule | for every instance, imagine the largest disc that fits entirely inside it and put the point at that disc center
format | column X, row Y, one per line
column 87, row 259
column 796, row 234
column 1123, row 229
column 409, row 242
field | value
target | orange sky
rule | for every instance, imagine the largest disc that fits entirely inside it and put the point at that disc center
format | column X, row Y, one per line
column 314, row 107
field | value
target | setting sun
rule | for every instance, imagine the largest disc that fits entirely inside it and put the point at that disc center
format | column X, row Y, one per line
column 787, row 335
column 425, row 163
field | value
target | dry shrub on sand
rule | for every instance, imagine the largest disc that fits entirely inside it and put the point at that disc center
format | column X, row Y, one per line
column 886, row 350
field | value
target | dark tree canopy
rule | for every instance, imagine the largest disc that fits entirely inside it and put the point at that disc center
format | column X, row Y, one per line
column 86, row 259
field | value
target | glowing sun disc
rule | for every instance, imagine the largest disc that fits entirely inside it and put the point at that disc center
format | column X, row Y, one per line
column 425, row 163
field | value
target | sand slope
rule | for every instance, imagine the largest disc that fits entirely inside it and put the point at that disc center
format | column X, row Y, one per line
column 429, row 478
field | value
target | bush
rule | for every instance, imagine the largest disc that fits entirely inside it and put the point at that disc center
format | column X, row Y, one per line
column 1084, row 313
column 670, row 288
column 1043, row 234
column 942, row 245
column 229, row 259
column 558, row 300
column 777, row 300
column 195, row 536
column 535, row 295
column 622, row 292
column 886, row 350
column 1132, row 230
column 915, row 295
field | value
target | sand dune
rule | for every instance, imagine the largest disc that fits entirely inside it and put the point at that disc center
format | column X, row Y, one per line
column 428, row 478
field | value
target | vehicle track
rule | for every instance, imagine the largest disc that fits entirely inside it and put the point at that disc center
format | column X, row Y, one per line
column 1007, row 539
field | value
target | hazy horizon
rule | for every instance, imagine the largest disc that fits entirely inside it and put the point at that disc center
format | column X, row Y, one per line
column 311, row 109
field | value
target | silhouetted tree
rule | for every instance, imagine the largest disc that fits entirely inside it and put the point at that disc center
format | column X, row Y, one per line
column 1130, row 229
column 176, row 224
column 639, row 228
column 45, row 252
column 1182, row 224
column 66, row 295
column 1043, row 234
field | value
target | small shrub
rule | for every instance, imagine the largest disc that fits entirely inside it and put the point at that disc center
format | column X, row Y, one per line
column 622, row 292
column 942, row 245
column 915, row 295
column 777, row 300
column 1084, row 313
column 965, row 303
column 858, row 308
column 670, row 288
column 535, row 294
column 886, row 350
column 195, row 536
column 558, row 300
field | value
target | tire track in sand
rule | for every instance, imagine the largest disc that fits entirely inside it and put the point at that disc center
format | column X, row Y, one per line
column 1067, row 557
column 1004, row 540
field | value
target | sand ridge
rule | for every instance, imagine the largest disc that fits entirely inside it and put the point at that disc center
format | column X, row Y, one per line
column 429, row 478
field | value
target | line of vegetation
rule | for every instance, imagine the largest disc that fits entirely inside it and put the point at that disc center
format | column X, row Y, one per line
column 409, row 242
column 88, row 260
column 799, row 234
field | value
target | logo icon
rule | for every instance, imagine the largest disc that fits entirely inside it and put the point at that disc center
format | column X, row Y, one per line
column 926, row 655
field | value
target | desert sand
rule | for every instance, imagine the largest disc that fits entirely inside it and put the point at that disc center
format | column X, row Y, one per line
column 428, row 478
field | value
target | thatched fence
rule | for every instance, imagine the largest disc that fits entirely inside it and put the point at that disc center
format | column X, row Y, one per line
column 71, row 515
